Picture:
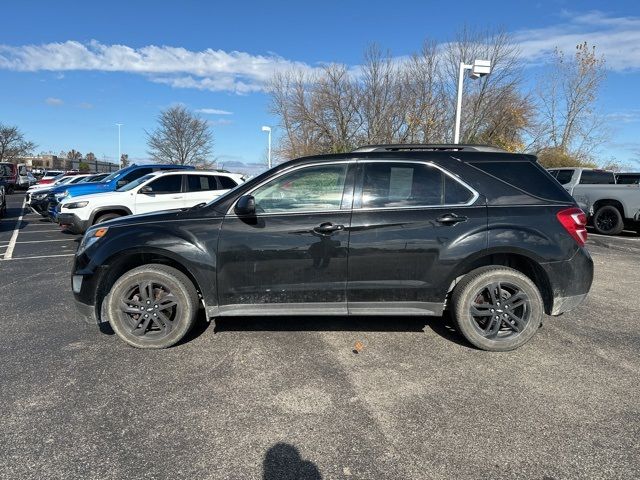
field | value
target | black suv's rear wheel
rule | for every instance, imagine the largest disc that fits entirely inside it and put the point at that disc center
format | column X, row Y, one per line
column 153, row 306
column 608, row 220
column 497, row 308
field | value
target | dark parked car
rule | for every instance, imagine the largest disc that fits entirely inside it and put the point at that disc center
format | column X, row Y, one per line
column 384, row 230
column 3, row 197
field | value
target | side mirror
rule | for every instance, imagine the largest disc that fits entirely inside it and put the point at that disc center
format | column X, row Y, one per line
column 121, row 183
column 146, row 190
column 246, row 205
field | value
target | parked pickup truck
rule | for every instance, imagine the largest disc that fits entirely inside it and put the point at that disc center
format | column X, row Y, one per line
column 612, row 206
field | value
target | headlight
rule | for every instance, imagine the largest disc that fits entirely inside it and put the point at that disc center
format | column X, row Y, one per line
column 92, row 236
column 62, row 195
column 75, row 205
column 39, row 196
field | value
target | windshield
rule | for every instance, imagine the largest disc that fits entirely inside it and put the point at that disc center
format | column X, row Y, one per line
column 135, row 183
column 112, row 176
column 63, row 180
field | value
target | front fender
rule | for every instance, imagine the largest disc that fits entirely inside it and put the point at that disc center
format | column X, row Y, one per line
column 191, row 244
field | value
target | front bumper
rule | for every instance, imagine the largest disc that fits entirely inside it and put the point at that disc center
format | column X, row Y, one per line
column 72, row 221
column 570, row 281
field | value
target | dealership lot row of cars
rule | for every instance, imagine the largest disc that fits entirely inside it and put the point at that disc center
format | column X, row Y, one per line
column 33, row 232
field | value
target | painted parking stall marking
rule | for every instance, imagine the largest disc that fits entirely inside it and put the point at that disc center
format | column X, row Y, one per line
column 27, row 236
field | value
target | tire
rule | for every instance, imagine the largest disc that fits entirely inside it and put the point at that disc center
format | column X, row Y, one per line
column 483, row 331
column 131, row 291
column 106, row 217
column 608, row 220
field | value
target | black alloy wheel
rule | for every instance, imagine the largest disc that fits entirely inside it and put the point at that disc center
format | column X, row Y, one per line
column 150, row 309
column 500, row 310
column 497, row 308
column 152, row 306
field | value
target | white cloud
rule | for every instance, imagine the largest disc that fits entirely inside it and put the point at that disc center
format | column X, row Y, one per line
column 624, row 116
column 617, row 38
column 206, row 70
column 54, row 102
column 213, row 111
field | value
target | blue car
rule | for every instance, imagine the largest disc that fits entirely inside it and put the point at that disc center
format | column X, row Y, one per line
column 111, row 183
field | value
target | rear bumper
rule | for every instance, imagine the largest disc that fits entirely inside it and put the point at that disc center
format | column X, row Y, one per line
column 570, row 281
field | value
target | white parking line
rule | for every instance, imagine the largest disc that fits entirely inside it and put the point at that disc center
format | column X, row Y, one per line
column 14, row 237
column 42, row 231
column 39, row 256
column 46, row 241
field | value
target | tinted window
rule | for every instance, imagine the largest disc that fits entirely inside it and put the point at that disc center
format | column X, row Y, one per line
column 227, row 183
column 526, row 176
column 564, row 176
column 199, row 183
column 593, row 177
column 129, row 177
column 409, row 185
column 628, row 179
column 167, row 184
column 308, row 189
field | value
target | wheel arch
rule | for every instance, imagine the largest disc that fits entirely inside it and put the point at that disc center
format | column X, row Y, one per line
column 609, row 202
column 123, row 261
column 110, row 209
column 519, row 261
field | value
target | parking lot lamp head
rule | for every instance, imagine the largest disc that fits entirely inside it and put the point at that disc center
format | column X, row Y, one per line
column 479, row 68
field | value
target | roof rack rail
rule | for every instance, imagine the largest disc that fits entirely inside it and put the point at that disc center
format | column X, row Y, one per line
column 409, row 147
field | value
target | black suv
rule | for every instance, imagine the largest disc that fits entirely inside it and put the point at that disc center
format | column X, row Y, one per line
column 384, row 230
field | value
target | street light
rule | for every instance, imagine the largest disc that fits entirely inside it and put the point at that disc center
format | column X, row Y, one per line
column 479, row 68
column 119, row 154
column 268, row 129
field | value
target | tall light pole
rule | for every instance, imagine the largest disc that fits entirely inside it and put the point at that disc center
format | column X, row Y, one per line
column 119, row 153
column 479, row 68
column 268, row 129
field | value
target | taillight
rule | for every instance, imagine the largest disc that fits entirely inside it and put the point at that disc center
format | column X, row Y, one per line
column 574, row 221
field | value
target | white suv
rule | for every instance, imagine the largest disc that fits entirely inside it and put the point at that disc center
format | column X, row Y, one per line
column 164, row 190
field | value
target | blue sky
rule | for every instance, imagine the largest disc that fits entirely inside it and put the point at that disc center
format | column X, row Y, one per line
column 70, row 70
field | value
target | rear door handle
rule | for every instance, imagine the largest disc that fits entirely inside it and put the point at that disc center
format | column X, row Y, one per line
column 328, row 228
column 451, row 219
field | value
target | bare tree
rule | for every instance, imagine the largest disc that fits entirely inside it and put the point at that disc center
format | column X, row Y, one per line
column 390, row 100
column 124, row 160
column 494, row 109
column 182, row 138
column 568, row 120
column 13, row 144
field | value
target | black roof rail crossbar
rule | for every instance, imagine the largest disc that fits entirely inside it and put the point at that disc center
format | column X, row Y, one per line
column 436, row 147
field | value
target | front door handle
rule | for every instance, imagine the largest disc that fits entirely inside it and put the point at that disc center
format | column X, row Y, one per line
column 327, row 228
column 451, row 219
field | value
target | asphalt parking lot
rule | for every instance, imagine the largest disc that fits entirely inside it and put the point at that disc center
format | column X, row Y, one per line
column 281, row 398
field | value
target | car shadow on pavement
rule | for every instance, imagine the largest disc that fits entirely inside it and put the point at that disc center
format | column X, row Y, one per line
column 442, row 326
column 284, row 462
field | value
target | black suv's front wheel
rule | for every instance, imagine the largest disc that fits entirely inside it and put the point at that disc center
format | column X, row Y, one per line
column 152, row 306
column 497, row 308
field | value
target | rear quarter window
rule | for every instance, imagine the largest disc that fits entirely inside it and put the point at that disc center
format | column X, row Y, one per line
column 526, row 176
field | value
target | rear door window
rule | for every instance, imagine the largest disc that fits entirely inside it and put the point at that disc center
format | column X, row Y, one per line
column 526, row 176
column 199, row 183
column 594, row 177
column 391, row 185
